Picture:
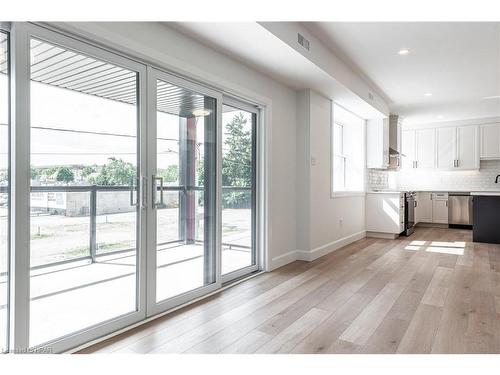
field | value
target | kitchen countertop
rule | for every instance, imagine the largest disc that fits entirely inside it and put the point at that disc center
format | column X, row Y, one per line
column 472, row 192
column 487, row 193
column 384, row 192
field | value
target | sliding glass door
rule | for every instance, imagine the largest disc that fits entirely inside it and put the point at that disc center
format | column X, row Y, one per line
column 183, row 158
column 239, row 167
column 135, row 191
column 4, row 189
column 85, row 208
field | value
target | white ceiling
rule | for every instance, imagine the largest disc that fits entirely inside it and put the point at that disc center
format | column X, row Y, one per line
column 258, row 48
column 459, row 63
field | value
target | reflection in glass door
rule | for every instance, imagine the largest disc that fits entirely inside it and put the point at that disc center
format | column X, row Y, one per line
column 84, row 207
column 238, row 199
column 4, row 188
column 183, row 193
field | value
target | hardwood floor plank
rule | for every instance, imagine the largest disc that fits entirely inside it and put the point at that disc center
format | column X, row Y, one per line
column 324, row 335
column 437, row 291
column 248, row 344
column 181, row 337
column 227, row 334
column 286, row 340
column 389, row 334
column 368, row 321
column 422, row 330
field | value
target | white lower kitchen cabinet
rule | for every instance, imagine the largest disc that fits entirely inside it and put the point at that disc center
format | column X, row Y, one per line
column 440, row 208
column 423, row 211
column 432, row 207
column 384, row 214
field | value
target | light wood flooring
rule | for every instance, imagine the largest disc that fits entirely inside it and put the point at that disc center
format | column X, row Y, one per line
column 432, row 292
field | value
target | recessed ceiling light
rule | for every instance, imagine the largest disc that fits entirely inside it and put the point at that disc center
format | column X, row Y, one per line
column 201, row 112
column 403, row 51
column 428, row 94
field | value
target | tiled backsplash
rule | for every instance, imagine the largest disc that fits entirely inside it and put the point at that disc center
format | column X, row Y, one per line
column 377, row 179
column 483, row 179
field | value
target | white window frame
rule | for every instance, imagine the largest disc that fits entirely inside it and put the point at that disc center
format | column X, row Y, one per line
column 343, row 193
column 339, row 154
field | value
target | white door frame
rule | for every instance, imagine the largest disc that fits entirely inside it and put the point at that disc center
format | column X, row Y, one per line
column 21, row 34
column 154, row 307
column 257, row 241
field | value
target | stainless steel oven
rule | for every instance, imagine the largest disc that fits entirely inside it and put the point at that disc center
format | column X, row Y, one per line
column 410, row 204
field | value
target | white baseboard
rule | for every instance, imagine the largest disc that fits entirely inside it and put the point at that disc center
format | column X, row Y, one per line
column 332, row 246
column 388, row 236
column 284, row 259
column 317, row 252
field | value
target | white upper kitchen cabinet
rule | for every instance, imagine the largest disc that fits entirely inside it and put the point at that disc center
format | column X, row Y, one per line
column 449, row 148
column 408, row 149
column 446, row 147
column 426, row 148
column 467, row 147
column 490, row 141
column 377, row 143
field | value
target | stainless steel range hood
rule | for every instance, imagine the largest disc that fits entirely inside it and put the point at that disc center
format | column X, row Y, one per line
column 394, row 142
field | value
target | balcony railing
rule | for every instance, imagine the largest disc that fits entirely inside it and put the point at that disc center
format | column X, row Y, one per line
column 93, row 190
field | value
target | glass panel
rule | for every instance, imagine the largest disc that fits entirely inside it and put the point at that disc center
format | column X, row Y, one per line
column 338, row 173
column 185, row 193
column 238, row 181
column 83, row 246
column 338, row 139
column 4, row 188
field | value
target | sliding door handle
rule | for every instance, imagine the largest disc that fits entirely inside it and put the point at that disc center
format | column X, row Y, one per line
column 157, row 204
column 144, row 192
column 133, row 188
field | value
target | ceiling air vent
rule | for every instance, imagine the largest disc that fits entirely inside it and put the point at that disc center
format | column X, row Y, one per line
column 303, row 41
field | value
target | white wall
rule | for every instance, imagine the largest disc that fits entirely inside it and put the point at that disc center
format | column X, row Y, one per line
column 165, row 46
column 333, row 221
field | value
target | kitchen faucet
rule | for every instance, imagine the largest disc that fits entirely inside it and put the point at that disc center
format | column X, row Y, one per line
column 496, row 179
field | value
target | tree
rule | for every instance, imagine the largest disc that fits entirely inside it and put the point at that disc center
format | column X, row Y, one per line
column 237, row 160
column 35, row 173
column 170, row 174
column 115, row 172
column 88, row 170
column 64, row 174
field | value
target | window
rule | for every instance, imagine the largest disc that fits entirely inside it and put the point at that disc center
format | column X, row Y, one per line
column 348, row 151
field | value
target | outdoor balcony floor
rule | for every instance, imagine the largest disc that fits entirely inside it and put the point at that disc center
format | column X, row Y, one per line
column 71, row 297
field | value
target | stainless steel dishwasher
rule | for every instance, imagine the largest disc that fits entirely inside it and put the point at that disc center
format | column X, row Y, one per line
column 460, row 210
